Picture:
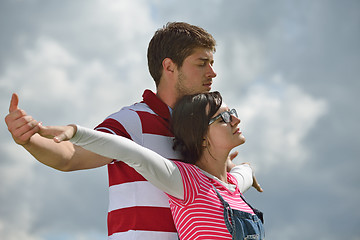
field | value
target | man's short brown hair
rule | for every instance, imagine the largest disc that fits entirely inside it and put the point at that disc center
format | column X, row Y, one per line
column 176, row 40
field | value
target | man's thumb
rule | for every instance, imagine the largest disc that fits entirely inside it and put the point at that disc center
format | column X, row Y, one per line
column 14, row 103
column 233, row 155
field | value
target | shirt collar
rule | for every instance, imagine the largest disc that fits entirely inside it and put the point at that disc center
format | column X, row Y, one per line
column 229, row 186
column 155, row 103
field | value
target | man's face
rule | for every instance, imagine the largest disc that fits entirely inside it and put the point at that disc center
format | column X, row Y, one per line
column 196, row 73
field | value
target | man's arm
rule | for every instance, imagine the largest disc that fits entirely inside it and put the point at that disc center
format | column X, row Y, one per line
column 63, row 157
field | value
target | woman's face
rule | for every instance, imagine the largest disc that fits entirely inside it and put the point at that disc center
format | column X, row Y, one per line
column 222, row 135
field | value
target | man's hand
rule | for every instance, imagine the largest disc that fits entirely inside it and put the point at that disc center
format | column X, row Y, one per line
column 21, row 126
column 58, row 133
column 256, row 185
column 229, row 162
column 230, row 165
column 64, row 157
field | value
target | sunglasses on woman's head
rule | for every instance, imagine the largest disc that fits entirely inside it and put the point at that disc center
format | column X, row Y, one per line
column 226, row 116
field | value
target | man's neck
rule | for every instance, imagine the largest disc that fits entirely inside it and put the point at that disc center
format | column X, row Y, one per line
column 168, row 97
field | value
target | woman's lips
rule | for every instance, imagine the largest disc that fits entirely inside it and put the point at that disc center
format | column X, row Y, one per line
column 237, row 131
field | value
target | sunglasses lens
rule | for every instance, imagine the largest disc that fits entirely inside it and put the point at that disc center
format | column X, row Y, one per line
column 226, row 117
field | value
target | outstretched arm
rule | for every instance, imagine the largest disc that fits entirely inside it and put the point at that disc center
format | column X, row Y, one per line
column 158, row 170
column 64, row 156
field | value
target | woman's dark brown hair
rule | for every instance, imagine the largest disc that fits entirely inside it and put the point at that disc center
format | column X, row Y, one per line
column 190, row 122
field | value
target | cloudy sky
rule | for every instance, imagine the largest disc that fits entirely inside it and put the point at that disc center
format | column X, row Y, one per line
column 290, row 68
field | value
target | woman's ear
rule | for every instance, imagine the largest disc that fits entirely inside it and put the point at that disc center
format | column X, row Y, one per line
column 205, row 142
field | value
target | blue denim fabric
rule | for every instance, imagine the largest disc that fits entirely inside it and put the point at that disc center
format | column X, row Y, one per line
column 242, row 225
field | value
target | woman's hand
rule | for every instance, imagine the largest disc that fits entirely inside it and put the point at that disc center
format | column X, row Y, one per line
column 58, row 133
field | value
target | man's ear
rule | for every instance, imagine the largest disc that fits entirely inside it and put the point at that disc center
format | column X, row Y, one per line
column 168, row 65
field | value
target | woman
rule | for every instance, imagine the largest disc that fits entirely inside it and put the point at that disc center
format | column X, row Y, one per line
column 205, row 199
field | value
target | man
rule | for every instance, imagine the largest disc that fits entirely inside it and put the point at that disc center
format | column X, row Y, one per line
column 180, row 60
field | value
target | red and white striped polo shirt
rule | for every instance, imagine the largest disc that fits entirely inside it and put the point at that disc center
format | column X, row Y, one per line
column 137, row 209
column 200, row 214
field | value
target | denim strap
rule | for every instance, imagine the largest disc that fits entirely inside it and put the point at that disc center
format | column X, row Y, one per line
column 227, row 211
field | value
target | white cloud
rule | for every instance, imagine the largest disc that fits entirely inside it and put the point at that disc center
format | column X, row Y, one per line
column 238, row 61
column 42, row 72
column 39, row 201
column 277, row 118
column 49, row 75
column 17, row 170
column 16, row 179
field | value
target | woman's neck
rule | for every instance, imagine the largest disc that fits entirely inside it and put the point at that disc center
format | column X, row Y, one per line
column 215, row 165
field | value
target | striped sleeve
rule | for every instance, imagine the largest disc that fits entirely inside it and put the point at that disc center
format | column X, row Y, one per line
column 191, row 183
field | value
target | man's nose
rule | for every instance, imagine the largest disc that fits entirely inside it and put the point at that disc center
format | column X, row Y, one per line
column 211, row 73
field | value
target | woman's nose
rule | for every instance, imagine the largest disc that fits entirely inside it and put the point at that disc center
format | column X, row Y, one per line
column 235, row 120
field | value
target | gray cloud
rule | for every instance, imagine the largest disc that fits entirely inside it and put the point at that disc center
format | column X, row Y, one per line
column 290, row 68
